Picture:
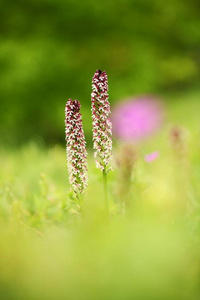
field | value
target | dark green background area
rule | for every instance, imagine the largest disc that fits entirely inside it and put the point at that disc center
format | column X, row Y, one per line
column 49, row 51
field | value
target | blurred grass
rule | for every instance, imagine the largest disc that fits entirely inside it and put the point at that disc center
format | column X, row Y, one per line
column 49, row 252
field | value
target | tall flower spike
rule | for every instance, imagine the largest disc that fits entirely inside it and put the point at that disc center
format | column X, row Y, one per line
column 76, row 147
column 102, row 126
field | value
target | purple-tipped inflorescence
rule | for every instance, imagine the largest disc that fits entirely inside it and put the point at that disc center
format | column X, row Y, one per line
column 102, row 126
column 76, row 147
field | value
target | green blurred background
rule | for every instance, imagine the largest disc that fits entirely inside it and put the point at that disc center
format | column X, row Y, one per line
column 49, row 51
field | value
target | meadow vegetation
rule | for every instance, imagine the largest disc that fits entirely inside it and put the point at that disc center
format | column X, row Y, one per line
column 149, row 250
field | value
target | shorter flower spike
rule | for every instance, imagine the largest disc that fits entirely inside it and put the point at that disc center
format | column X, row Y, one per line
column 102, row 126
column 76, row 147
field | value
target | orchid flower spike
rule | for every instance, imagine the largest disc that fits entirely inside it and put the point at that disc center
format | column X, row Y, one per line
column 76, row 147
column 102, row 126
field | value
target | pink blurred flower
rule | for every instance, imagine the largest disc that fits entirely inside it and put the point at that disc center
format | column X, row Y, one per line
column 151, row 156
column 137, row 119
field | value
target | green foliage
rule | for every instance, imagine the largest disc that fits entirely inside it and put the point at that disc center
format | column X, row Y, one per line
column 49, row 51
column 48, row 251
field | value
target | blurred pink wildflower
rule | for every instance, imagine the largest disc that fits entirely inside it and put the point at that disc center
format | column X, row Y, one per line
column 137, row 119
column 151, row 156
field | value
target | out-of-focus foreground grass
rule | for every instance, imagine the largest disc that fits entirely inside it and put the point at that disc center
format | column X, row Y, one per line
column 152, row 252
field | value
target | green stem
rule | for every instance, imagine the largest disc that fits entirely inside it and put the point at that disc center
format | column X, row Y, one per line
column 80, row 199
column 105, row 192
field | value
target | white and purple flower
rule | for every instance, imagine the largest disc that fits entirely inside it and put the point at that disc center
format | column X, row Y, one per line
column 102, row 126
column 76, row 147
